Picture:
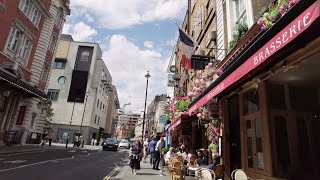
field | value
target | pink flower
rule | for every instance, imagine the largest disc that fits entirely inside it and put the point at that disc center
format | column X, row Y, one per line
column 196, row 82
column 199, row 115
column 210, row 64
column 206, row 67
column 190, row 94
column 261, row 21
column 272, row 18
column 264, row 27
column 282, row 9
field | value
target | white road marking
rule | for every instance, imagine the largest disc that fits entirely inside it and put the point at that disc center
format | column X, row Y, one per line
column 72, row 151
column 15, row 162
column 84, row 151
column 18, row 167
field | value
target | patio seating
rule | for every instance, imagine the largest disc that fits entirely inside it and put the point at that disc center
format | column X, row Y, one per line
column 176, row 171
column 239, row 174
column 192, row 166
column 219, row 171
column 206, row 174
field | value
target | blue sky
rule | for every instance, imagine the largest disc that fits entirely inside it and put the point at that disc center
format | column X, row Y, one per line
column 134, row 36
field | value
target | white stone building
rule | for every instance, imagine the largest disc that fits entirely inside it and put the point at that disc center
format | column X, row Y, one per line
column 79, row 90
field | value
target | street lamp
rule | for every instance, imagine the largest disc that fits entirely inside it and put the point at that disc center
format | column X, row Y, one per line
column 84, row 110
column 74, row 103
column 145, row 103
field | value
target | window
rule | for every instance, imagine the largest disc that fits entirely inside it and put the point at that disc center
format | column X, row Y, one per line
column 14, row 37
column 34, row 15
column 251, row 101
column 45, row 73
column 53, row 43
column 24, row 6
column 59, row 64
column 95, row 119
column 98, row 120
column 53, row 94
column 240, row 7
column 25, row 47
column 98, row 104
column 62, row 80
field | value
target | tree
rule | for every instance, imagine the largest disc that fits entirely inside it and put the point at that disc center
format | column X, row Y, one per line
column 132, row 135
column 49, row 115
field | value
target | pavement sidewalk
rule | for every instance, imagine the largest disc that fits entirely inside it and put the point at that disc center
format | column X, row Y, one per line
column 24, row 148
column 145, row 173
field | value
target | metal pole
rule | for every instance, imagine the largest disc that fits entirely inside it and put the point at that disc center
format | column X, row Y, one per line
column 145, row 104
column 84, row 110
column 74, row 103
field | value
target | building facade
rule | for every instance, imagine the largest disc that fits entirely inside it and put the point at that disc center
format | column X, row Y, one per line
column 113, row 106
column 265, row 100
column 79, row 89
column 28, row 40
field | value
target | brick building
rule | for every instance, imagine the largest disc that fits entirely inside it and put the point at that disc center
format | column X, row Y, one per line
column 30, row 31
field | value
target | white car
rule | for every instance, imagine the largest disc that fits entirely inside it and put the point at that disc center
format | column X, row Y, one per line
column 124, row 143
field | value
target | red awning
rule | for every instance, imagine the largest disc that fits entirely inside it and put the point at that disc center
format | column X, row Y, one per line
column 182, row 119
column 290, row 32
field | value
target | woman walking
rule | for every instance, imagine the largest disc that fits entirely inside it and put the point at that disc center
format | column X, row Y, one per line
column 135, row 154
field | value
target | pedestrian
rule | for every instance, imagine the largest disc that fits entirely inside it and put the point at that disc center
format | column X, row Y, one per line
column 44, row 137
column 95, row 142
column 152, row 146
column 92, row 142
column 50, row 136
column 135, row 154
column 145, row 149
column 157, row 153
column 76, row 140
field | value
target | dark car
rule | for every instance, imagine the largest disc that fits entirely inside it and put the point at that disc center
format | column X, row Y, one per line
column 110, row 144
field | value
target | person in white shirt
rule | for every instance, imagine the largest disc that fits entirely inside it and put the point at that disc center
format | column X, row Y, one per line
column 145, row 149
column 170, row 155
column 157, row 154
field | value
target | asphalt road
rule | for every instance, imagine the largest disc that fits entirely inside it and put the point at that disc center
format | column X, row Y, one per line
column 61, row 164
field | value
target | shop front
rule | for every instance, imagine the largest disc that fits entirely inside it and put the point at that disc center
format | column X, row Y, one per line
column 270, row 100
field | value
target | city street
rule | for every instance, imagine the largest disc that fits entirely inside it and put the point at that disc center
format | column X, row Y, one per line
column 61, row 164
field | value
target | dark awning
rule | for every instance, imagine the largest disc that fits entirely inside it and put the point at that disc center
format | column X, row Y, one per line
column 11, row 81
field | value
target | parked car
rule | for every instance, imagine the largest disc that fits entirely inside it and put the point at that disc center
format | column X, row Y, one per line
column 124, row 143
column 110, row 144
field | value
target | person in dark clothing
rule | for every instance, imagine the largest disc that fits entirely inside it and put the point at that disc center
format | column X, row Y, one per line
column 135, row 154
column 202, row 159
column 152, row 146
column 44, row 137
column 215, row 160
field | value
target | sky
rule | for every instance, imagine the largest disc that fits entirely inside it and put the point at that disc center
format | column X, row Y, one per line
column 135, row 36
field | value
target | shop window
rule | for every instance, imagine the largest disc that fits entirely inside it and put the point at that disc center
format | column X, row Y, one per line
column 95, row 119
column 254, row 143
column 53, row 94
column 249, row 143
column 277, row 96
column 45, row 73
column 303, row 99
column 281, row 154
column 24, row 6
column 251, row 101
column 59, row 64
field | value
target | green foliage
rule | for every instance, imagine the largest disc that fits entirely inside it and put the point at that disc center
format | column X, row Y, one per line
column 49, row 115
column 212, row 146
column 240, row 30
column 132, row 135
column 182, row 105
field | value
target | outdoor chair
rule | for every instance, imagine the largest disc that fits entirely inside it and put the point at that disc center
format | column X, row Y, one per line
column 177, row 171
column 192, row 166
column 239, row 174
column 219, row 171
column 206, row 174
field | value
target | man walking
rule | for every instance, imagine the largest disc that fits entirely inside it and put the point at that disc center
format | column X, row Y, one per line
column 44, row 137
column 50, row 135
column 152, row 147
column 157, row 154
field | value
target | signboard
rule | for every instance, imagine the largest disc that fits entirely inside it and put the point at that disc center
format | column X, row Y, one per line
column 21, row 114
column 84, row 58
column 65, row 136
column 284, row 37
column 34, row 136
column 171, row 81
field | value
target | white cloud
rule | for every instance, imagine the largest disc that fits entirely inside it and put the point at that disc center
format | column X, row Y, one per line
column 89, row 18
column 128, row 65
column 80, row 31
column 148, row 44
column 115, row 14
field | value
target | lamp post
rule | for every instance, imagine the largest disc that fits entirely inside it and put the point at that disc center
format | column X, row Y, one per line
column 84, row 110
column 145, row 103
column 74, row 103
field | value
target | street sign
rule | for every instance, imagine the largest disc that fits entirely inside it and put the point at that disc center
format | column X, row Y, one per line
column 34, row 136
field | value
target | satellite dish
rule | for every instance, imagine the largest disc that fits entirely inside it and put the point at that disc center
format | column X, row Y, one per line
column 173, row 69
